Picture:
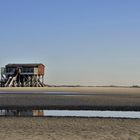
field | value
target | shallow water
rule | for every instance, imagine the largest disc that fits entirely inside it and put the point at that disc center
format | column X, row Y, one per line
column 71, row 113
column 77, row 113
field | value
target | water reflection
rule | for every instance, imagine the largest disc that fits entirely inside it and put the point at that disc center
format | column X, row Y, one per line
column 38, row 113
column 68, row 113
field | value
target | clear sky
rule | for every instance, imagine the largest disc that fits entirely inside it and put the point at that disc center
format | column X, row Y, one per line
column 84, row 42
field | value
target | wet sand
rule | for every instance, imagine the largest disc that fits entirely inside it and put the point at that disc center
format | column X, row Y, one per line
column 12, row 128
column 88, row 98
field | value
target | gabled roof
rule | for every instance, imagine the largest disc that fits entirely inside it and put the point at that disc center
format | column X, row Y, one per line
column 25, row 65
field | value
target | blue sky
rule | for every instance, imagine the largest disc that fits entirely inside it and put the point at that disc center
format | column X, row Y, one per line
column 84, row 42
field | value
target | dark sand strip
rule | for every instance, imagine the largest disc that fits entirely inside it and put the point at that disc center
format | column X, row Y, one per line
column 86, row 99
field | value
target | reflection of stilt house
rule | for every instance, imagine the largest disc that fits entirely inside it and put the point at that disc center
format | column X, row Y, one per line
column 34, row 113
column 24, row 75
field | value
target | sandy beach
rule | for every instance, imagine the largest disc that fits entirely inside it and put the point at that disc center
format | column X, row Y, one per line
column 69, row 129
column 76, row 89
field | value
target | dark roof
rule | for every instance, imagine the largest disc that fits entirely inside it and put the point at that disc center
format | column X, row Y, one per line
column 24, row 65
